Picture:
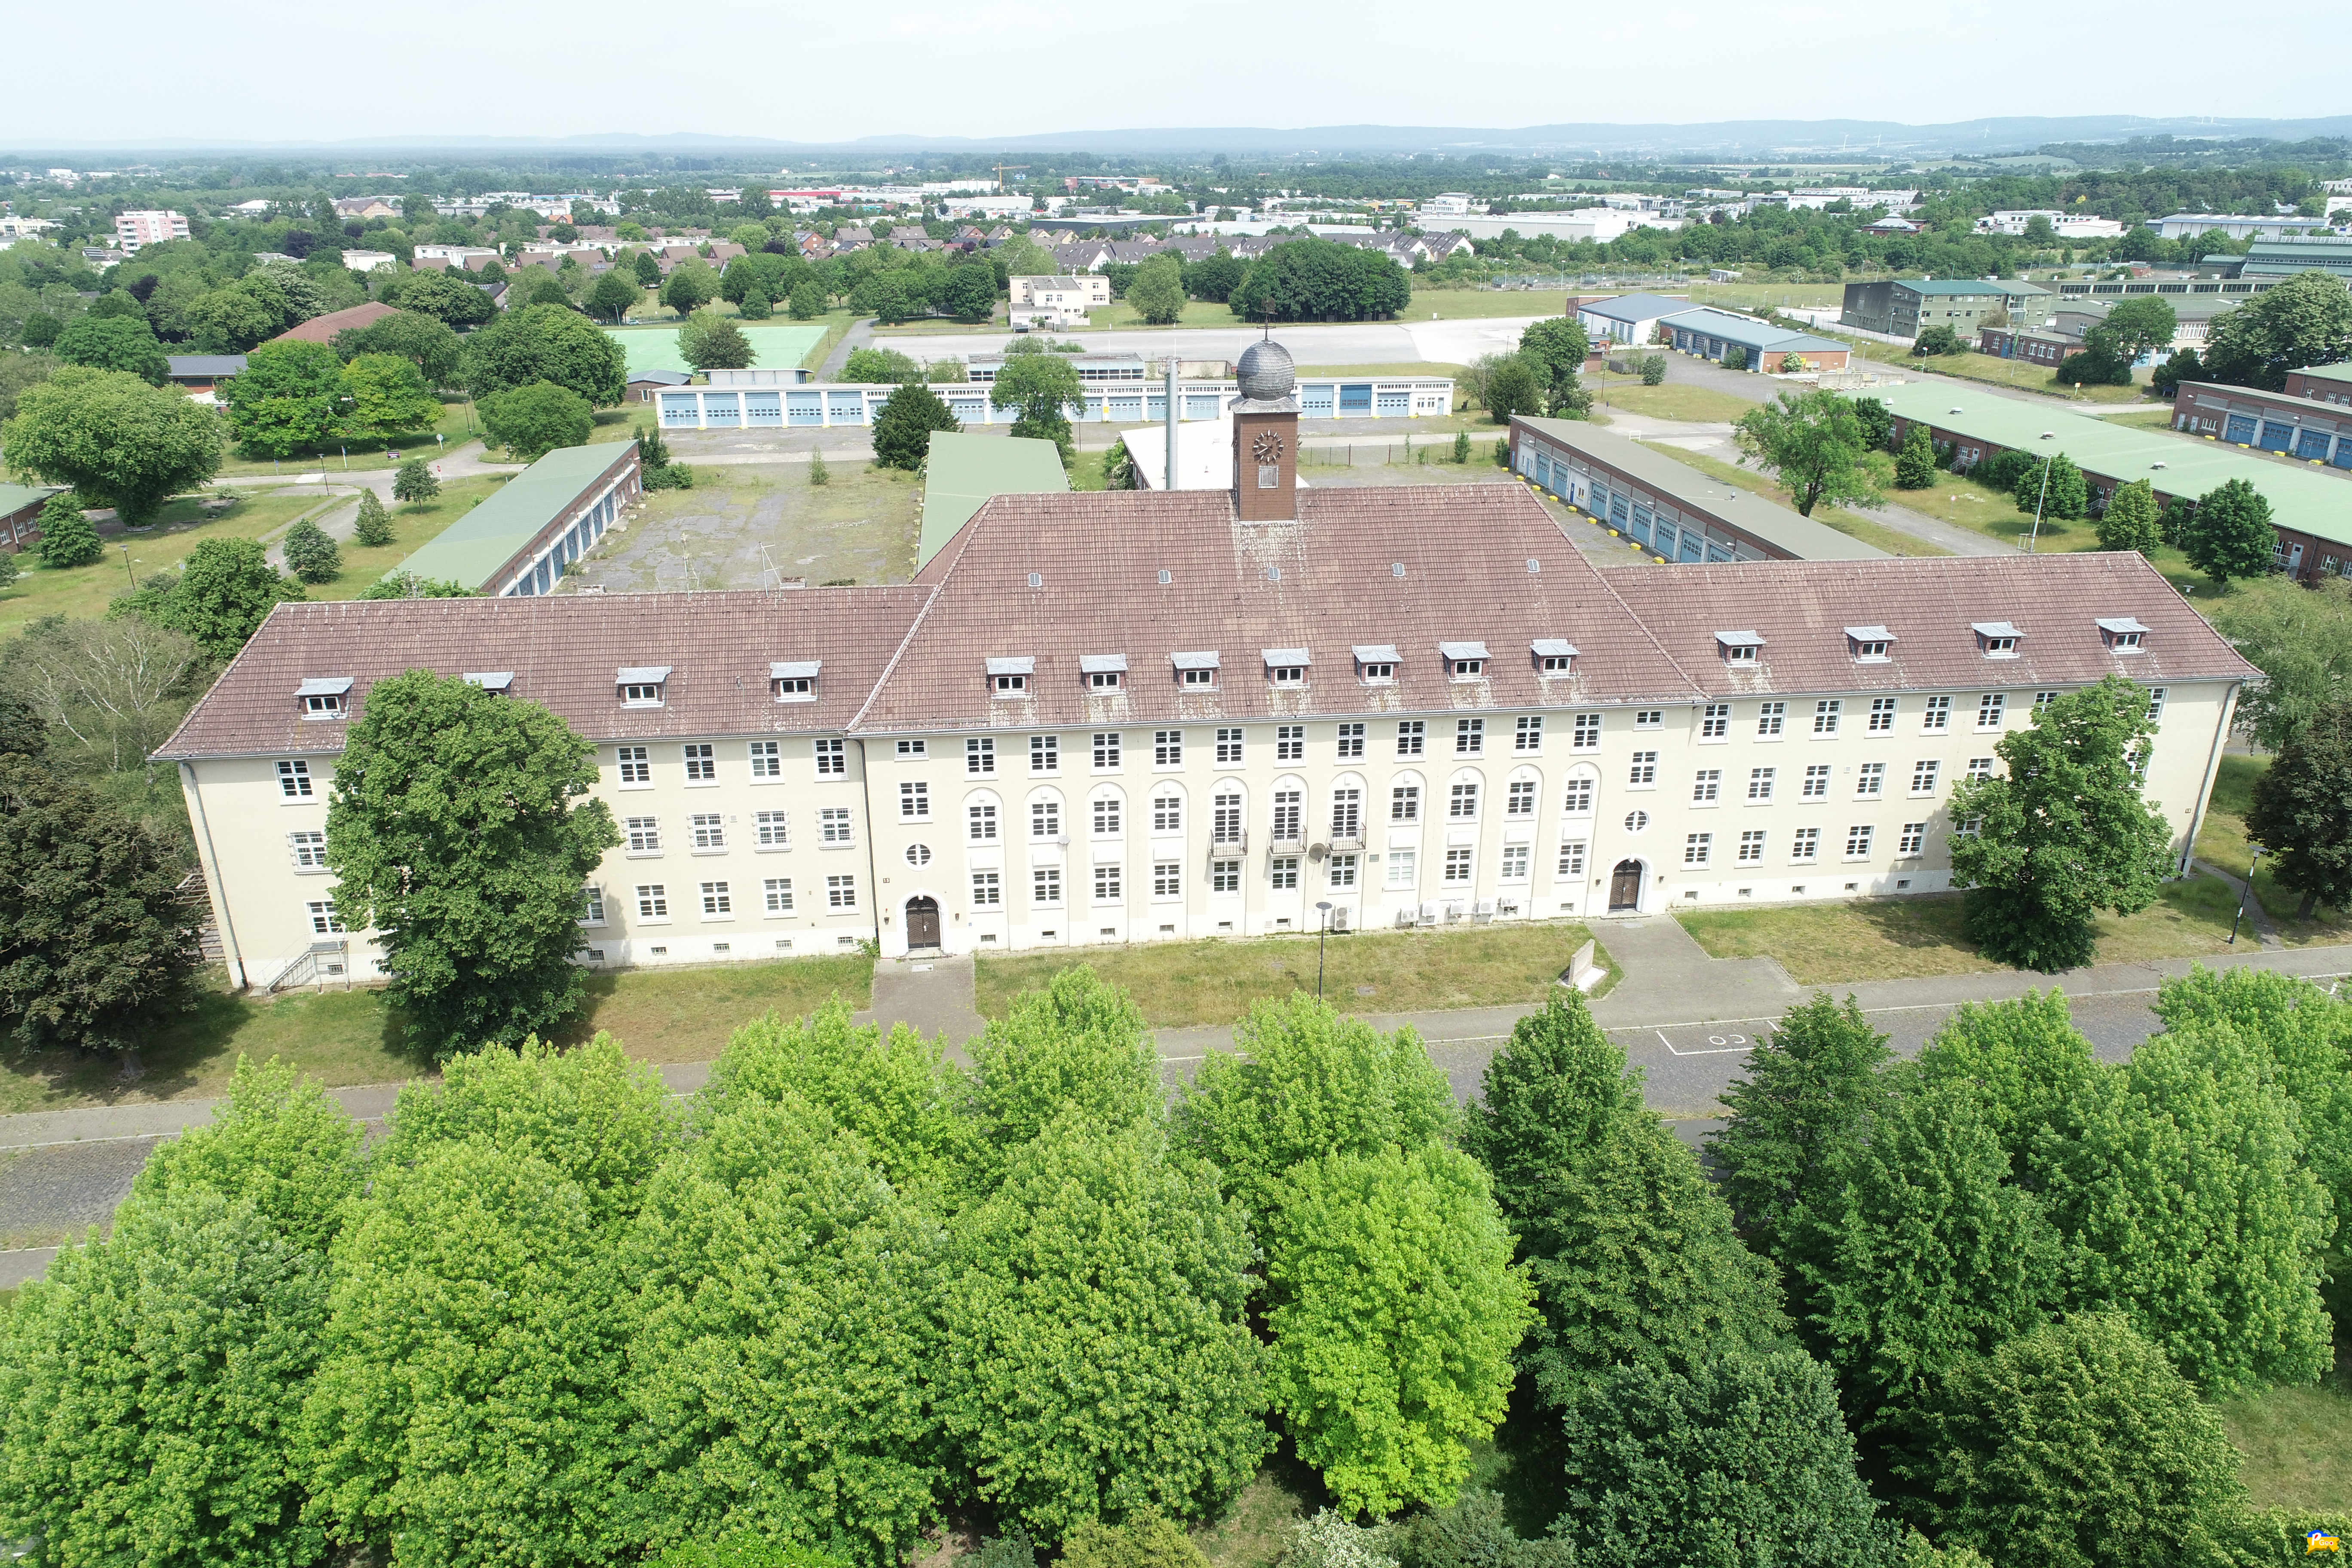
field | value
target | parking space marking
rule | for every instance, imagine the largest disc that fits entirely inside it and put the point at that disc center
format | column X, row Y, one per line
column 1728, row 1043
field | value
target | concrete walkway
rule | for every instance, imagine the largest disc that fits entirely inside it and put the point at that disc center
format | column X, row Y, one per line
column 932, row 995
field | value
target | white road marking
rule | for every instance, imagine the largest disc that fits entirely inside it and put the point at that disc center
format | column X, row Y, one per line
column 1717, row 1044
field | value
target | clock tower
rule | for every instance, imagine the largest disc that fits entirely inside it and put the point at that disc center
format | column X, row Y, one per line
column 1266, row 436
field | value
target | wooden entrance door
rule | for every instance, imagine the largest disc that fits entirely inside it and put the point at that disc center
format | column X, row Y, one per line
column 923, row 922
column 1625, row 886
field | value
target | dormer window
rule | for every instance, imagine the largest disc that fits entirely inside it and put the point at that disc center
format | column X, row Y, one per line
column 497, row 682
column 325, row 697
column 1738, row 647
column 1870, row 645
column 1464, row 660
column 793, row 680
column 1376, row 663
column 642, row 685
column 1286, row 666
column 2123, row 633
column 1103, row 671
column 1195, row 671
column 1553, row 656
column 1010, row 677
column 1995, row 639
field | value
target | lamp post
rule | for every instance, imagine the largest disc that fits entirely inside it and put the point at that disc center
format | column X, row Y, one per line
column 2242, row 891
column 2036, row 538
column 1322, row 935
column 127, row 571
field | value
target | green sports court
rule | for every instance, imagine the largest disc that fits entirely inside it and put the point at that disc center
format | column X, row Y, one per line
column 772, row 347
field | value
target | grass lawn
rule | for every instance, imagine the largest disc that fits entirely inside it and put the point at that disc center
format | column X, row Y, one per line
column 350, row 1037
column 2023, row 374
column 1857, row 525
column 83, row 590
column 1471, row 304
column 2222, row 842
column 2297, row 1442
column 1181, row 983
column 365, row 454
column 413, row 524
column 1254, row 1527
column 1753, row 296
column 1696, row 404
column 1376, row 372
column 2157, row 416
column 1894, row 939
column 1981, row 509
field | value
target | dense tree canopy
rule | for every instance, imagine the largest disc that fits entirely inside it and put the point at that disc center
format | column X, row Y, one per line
column 225, row 589
column 531, row 421
column 2301, row 811
column 2304, row 321
column 289, row 398
column 422, row 339
column 1812, row 443
column 903, row 426
column 114, row 439
column 126, row 343
column 1317, row 280
column 546, row 343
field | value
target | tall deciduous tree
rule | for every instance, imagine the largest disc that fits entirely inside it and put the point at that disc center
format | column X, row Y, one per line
column 2304, row 321
column 2064, row 834
column 2129, row 522
column 459, row 828
column 1914, row 466
column 2022, row 1062
column 388, row 395
column 692, row 285
column 903, row 426
column 107, row 692
column 1555, row 348
column 116, row 441
column 547, row 342
column 1512, row 387
column 67, row 537
column 1157, row 292
column 1813, row 444
column 310, row 555
column 225, row 589
column 2231, row 534
column 449, row 297
column 613, row 296
column 1312, row 279
column 1043, row 387
column 275, row 1142
column 1077, row 1046
column 373, row 525
column 533, row 421
column 709, row 341
column 126, row 343
column 2301, row 811
column 2054, row 489
column 2301, row 639
column 289, row 398
column 423, row 341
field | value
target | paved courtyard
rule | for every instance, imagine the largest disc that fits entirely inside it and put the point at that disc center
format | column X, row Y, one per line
column 754, row 525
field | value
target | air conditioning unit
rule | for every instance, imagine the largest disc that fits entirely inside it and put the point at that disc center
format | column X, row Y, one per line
column 1484, row 909
column 1340, row 918
column 1507, row 906
column 1429, row 914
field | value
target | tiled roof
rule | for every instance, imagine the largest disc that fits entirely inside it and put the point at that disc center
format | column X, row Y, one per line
column 322, row 329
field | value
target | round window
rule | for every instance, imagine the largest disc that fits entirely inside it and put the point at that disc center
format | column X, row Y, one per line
column 1634, row 821
column 918, row 854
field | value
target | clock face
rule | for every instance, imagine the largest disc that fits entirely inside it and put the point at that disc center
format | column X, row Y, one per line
column 1267, row 447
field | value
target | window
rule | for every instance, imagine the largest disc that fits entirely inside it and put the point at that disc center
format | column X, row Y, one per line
column 914, row 800
column 1045, row 884
column 1167, row 748
column 1714, row 722
column 1045, row 819
column 1586, row 736
column 1404, row 803
column 831, row 758
column 1857, row 842
column 1379, row 672
column 1514, row 862
column 1229, row 747
column 653, row 902
column 1409, row 738
column 833, row 825
column 1697, row 847
column 1706, row 787
column 1571, row 857
column 1106, row 750
column 767, row 760
column 1825, row 715
column 1464, row 806
column 1198, row 678
column 1457, row 865
column 1578, row 801
column 294, row 779
column 1769, row 717
column 644, row 835
column 1225, row 820
column 1752, row 846
column 776, row 896
column 1739, row 653
column 641, row 694
column 1938, row 715
column 1469, row 669
column 1045, row 754
column 1282, row 873
column 1104, row 679
column 1882, row 715
column 701, row 763
column 1529, row 735
column 2155, row 706
column 1913, row 839
column 1011, row 685
column 772, row 829
column 1402, row 869
column 987, row 890
column 1520, row 799
column 1106, row 884
column 1871, row 650
column 1347, row 814
column 1105, row 809
column 1923, row 776
column 910, row 750
column 1817, row 781
column 716, row 902
column 308, row 849
column 1340, row 871
column 979, row 755
column 1289, row 742
column 635, row 770
column 709, row 830
column 841, row 892
column 1168, row 814
column 329, row 705
column 1287, row 812
column 1167, row 879
column 1469, row 737
column 2000, row 647
column 592, row 905
column 2042, row 700
column 1556, row 663
column 980, row 821
column 1287, row 675
column 1650, row 719
column 1351, row 741
column 1989, row 710
column 1224, row 876
column 1643, row 773
column 1872, row 781
column 1979, row 769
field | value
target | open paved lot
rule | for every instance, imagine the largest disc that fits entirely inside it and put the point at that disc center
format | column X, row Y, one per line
column 1331, row 342
column 753, row 525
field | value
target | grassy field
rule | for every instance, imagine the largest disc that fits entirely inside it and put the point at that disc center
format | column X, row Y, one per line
column 83, row 590
column 1755, row 296
column 1696, row 404
column 413, row 524
column 352, row 1036
column 2157, row 416
column 1856, row 525
column 1973, row 366
column 773, row 343
column 741, row 520
column 2222, row 843
column 1894, row 939
column 2295, row 1443
column 1181, row 982
column 366, row 453
column 1981, row 509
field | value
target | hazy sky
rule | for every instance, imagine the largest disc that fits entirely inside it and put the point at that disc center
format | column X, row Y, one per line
column 274, row 71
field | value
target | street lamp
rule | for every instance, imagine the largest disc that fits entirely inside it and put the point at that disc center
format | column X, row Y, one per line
column 127, row 571
column 1320, row 936
column 2250, row 867
column 2036, row 538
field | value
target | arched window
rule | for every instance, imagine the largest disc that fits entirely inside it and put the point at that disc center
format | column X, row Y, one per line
column 1577, row 797
column 982, row 815
column 1465, row 792
column 1105, row 812
column 1288, row 822
column 1520, row 792
column 1347, row 808
column 1227, row 816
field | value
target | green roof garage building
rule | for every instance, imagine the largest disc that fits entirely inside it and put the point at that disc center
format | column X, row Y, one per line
column 518, row 542
column 965, row 470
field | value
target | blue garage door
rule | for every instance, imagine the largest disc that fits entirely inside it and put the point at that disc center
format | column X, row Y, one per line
column 970, row 410
column 1314, row 400
column 722, row 409
column 2275, row 436
column 1694, row 547
column 805, row 408
column 1200, row 407
column 2343, row 459
column 764, row 408
column 2311, row 446
column 1127, row 408
column 2241, row 430
column 679, row 412
column 1396, row 402
column 845, row 408
column 1356, row 399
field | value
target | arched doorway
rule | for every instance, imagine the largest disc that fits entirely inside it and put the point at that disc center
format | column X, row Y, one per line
column 1625, row 886
column 923, row 922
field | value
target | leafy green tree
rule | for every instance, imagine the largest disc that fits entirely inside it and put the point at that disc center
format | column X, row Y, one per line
column 2182, row 366
column 1813, row 444
column 225, row 589
column 1215, row 279
column 9, row 569
column 613, row 296
column 388, row 397
column 310, row 555
column 756, row 308
column 373, row 526
column 96, row 942
column 413, row 481
column 1314, row 279
column 2076, row 1446
column 2064, row 834
column 2102, row 361
column 1556, row 349
column 1043, row 387
column 1148, row 1539
column 277, row 1141
column 2022, row 1062
column 1078, row 1047
column 2054, row 490
column 807, row 301
column 1304, row 1080
column 709, row 341
column 2129, row 522
column 903, row 426
column 1098, row 1358
column 2142, row 324
column 880, row 367
column 1394, row 1310
column 126, row 343
column 690, row 287
column 18, row 372
column 148, row 1387
column 1743, row 1459
column 1877, row 422
column 1157, row 292
column 1512, row 388
column 1914, row 466
column 289, row 398
column 2301, row 639
column 468, row 1398
column 2231, row 534
column 2302, row 812
column 969, row 292
column 1473, row 1533
column 648, row 268
column 459, row 828
column 531, row 421
column 403, row 585
column 68, row 537
column 747, row 1548
column 425, row 341
column 547, row 342
column 449, row 297
column 114, row 439
column 1936, row 341
column 2304, row 321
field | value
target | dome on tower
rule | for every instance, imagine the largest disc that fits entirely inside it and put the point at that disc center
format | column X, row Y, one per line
column 1266, row 374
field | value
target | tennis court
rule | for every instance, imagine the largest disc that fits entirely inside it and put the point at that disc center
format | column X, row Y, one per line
column 772, row 347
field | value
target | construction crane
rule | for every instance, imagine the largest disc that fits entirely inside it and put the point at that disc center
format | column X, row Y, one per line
column 1000, row 173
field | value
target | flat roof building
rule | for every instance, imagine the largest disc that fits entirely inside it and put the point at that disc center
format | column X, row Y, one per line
column 1629, row 317
column 1766, row 349
column 2308, row 429
column 1906, row 307
column 519, row 540
column 963, row 471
